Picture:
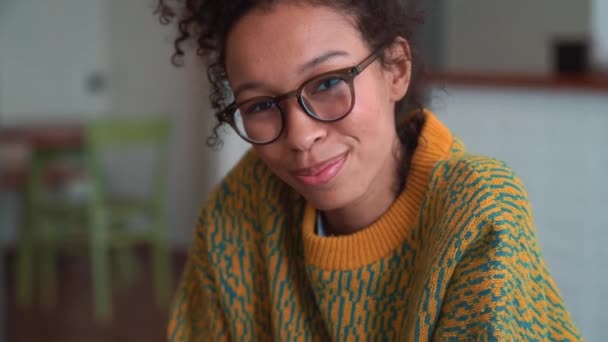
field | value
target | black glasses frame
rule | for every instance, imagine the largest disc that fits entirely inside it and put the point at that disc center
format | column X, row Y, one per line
column 348, row 74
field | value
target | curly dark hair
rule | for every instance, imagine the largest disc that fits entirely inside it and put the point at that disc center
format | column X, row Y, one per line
column 208, row 23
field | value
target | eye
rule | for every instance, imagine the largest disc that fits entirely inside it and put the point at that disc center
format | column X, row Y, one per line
column 327, row 83
column 258, row 107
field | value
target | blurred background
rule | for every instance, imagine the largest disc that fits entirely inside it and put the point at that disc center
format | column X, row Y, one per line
column 100, row 135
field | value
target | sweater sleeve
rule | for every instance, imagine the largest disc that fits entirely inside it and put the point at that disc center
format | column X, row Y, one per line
column 196, row 313
column 501, row 288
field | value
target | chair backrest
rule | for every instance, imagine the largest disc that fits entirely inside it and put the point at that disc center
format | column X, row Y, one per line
column 122, row 133
column 128, row 131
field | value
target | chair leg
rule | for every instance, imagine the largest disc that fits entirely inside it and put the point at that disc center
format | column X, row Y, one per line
column 29, row 228
column 25, row 271
column 48, row 275
column 25, row 259
column 101, row 281
column 100, row 264
column 126, row 265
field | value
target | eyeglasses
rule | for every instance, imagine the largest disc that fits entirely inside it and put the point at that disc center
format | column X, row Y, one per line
column 327, row 97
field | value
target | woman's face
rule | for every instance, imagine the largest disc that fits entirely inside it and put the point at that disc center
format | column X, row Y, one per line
column 333, row 165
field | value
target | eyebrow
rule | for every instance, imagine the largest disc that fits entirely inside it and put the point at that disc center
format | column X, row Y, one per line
column 302, row 68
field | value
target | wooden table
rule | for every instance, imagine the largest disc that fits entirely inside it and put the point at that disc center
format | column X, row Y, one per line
column 19, row 141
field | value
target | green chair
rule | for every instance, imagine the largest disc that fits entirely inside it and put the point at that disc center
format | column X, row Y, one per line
column 99, row 217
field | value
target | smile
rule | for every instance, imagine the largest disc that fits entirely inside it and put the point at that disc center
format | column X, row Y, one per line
column 321, row 173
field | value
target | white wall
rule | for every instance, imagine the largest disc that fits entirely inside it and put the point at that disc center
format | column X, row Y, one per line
column 512, row 35
column 48, row 49
column 556, row 141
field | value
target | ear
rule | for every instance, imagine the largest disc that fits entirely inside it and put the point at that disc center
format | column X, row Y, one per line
column 399, row 68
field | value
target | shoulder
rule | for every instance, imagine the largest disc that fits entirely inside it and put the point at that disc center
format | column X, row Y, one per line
column 479, row 207
column 482, row 186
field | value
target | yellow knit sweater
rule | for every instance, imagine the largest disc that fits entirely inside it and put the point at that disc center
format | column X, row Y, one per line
column 454, row 258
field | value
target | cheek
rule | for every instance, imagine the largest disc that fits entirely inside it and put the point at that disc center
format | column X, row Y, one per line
column 268, row 153
column 372, row 117
column 272, row 156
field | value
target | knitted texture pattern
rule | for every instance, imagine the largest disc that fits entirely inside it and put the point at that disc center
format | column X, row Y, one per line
column 454, row 258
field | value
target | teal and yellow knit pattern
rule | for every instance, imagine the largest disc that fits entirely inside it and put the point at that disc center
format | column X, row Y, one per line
column 455, row 258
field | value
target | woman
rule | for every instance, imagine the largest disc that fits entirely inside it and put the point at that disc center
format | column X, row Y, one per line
column 357, row 215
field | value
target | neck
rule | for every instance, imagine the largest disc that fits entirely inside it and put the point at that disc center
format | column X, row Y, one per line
column 349, row 220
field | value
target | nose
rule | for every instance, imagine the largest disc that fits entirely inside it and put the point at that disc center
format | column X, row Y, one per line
column 301, row 131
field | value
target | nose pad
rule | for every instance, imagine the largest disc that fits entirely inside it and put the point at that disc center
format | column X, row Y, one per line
column 301, row 131
column 305, row 106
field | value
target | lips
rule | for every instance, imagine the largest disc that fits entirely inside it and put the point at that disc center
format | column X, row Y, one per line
column 321, row 173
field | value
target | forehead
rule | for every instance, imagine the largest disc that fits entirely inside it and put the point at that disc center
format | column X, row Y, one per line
column 281, row 39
